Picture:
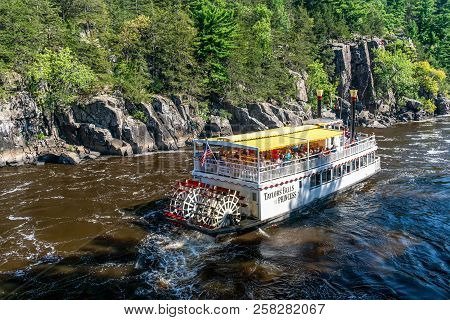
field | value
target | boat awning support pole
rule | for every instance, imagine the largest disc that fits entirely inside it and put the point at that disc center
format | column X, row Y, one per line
column 308, row 154
column 259, row 166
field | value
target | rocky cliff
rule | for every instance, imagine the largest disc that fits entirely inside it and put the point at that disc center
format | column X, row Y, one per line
column 354, row 64
column 110, row 125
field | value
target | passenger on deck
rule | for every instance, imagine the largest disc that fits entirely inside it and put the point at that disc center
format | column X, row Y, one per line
column 288, row 156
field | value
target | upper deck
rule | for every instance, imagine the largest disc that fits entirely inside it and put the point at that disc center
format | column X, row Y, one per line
column 255, row 157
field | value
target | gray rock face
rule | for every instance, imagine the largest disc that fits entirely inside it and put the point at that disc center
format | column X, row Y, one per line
column 104, row 112
column 20, row 120
column 406, row 116
column 442, row 105
column 263, row 112
column 101, row 140
column 217, row 126
column 413, row 105
column 241, row 121
column 376, row 125
column 353, row 68
column 365, row 118
column 170, row 122
column 264, row 115
column 300, row 84
column 136, row 134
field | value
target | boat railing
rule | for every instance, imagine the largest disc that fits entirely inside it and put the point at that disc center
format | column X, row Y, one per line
column 251, row 172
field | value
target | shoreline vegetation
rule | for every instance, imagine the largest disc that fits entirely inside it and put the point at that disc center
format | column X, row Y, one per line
column 84, row 78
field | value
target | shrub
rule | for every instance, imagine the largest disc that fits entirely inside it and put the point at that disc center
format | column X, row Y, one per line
column 431, row 80
column 428, row 106
column 140, row 116
column 41, row 136
column 224, row 114
column 57, row 79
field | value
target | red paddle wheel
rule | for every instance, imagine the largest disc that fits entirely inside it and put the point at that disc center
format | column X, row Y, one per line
column 205, row 205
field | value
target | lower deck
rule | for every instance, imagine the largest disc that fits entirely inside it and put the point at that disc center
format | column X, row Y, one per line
column 276, row 205
column 282, row 196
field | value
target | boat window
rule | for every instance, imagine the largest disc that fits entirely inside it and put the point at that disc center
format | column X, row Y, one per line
column 348, row 167
column 364, row 161
column 335, row 172
column 312, row 181
column 324, row 176
column 370, row 158
column 339, row 171
column 353, row 165
column 318, row 179
column 329, row 175
column 254, row 196
column 357, row 163
column 300, row 184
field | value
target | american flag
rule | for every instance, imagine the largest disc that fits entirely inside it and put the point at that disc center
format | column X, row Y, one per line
column 208, row 152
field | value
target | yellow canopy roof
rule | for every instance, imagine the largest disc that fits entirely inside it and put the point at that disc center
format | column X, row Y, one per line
column 279, row 138
column 296, row 138
column 264, row 134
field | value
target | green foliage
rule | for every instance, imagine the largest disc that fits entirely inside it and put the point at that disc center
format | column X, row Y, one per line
column 26, row 27
column 57, row 79
column 41, row 136
column 431, row 80
column 140, row 116
column 203, row 110
column 394, row 71
column 242, row 51
column 318, row 79
column 428, row 106
column 224, row 114
column 214, row 41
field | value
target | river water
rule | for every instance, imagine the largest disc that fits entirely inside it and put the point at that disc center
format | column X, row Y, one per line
column 93, row 231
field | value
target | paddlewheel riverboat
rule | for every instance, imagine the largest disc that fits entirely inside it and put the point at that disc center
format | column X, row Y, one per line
column 243, row 181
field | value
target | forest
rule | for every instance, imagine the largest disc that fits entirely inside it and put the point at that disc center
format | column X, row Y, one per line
column 214, row 50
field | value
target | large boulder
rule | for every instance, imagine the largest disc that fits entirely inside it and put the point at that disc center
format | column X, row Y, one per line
column 20, row 121
column 442, row 105
column 101, row 140
column 17, row 156
column 217, row 126
column 413, row 105
column 136, row 134
column 406, row 116
column 64, row 157
column 365, row 118
column 263, row 112
column 102, row 111
column 241, row 121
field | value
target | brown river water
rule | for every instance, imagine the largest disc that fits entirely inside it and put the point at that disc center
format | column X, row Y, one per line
column 94, row 231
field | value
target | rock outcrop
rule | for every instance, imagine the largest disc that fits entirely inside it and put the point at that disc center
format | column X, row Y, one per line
column 353, row 69
column 263, row 115
column 442, row 105
column 20, row 121
column 217, row 126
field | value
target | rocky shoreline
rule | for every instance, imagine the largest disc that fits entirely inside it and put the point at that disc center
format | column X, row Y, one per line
column 111, row 125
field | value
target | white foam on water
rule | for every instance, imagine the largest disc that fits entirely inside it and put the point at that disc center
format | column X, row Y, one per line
column 21, row 187
column 14, row 218
column 433, row 151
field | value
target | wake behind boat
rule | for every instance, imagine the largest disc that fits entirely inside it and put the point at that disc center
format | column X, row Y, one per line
column 243, row 181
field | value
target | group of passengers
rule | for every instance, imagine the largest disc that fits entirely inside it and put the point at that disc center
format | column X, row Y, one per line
column 285, row 155
column 277, row 156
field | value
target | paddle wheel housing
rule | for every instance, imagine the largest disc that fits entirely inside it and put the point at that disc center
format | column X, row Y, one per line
column 205, row 205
